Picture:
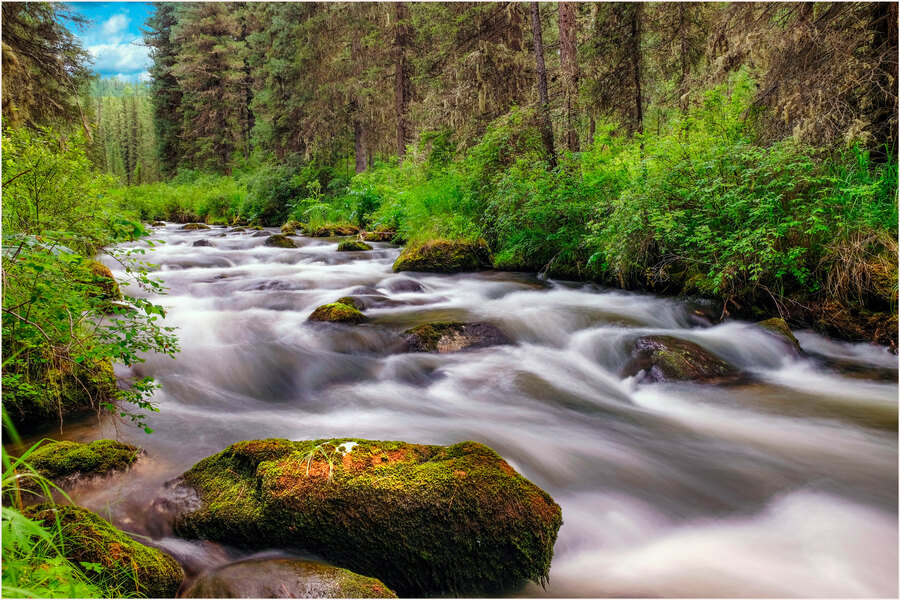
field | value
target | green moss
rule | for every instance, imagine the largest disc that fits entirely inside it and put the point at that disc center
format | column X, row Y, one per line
column 100, row 457
column 379, row 235
column 353, row 246
column 102, row 283
column 428, row 335
column 279, row 241
column 157, row 224
column 442, row 256
column 337, row 312
column 351, row 301
column 130, row 567
column 668, row 358
column 780, row 327
column 195, row 226
column 423, row 519
column 238, row 230
column 451, row 336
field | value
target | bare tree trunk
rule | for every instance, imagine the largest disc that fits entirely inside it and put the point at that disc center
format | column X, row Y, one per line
column 402, row 90
column 567, row 48
column 546, row 127
column 636, row 14
column 359, row 132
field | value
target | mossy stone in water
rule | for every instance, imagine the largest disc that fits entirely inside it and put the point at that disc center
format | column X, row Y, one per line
column 353, row 246
column 195, row 226
column 379, row 235
column 452, row 336
column 351, row 301
column 132, row 569
column 779, row 327
column 204, row 243
column 442, row 256
column 667, row 358
column 422, row 519
column 157, row 224
column 279, row 241
column 337, row 312
column 61, row 459
column 291, row 227
column 286, row 578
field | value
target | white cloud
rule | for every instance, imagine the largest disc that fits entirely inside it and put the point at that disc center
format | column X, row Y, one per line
column 114, row 26
column 120, row 58
column 144, row 76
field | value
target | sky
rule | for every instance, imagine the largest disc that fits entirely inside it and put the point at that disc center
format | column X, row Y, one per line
column 114, row 39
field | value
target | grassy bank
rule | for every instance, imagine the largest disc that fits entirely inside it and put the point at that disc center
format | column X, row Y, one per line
column 699, row 208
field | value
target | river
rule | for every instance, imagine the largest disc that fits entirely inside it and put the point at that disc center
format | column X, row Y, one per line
column 784, row 485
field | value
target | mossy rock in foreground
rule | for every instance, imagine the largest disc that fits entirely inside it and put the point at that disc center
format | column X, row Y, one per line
column 422, row 519
column 667, row 358
column 353, row 246
column 453, row 336
column 780, row 328
column 195, row 226
column 441, row 256
column 279, row 241
column 130, row 568
column 337, row 312
column 64, row 459
column 285, row 578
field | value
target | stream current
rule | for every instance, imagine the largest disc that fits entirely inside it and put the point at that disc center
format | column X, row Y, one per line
column 783, row 486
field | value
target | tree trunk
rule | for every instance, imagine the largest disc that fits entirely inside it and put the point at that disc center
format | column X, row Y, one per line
column 635, row 43
column 359, row 132
column 682, row 91
column 884, row 48
column 402, row 90
column 569, row 61
column 546, row 127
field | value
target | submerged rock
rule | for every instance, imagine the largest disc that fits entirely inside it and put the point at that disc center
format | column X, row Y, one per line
column 441, row 256
column 285, row 578
column 423, row 519
column 129, row 568
column 279, row 241
column 667, row 358
column 195, row 226
column 780, row 328
column 337, row 312
column 353, row 246
column 403, row 286
column 452, row 336
column 205, row 243
column 71, row 459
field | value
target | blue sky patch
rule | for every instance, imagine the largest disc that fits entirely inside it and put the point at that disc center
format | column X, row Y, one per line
column 114, row 39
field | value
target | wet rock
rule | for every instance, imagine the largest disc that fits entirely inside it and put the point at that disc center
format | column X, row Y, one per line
column 157, row 224
column 259, row 234
column 337, row 312
column 353, row 246
column 351, row 301
column 453, row 336
column 195, row 226
column 102, row 284
column 667, row 358
column 441, row 256
column 291, row 227
column 205, row 243
column 238, row 230
column 780, row 328
column 60, row 460
column 279, row 241
column 423, row 519
column 285, row 578
column 130, row 568
column 333, row 230
column 401, row 286
column 365, row 290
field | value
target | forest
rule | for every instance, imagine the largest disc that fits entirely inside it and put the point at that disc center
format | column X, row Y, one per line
column 737, row 161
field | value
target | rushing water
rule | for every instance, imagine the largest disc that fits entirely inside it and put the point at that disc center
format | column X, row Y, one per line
column 782, row 486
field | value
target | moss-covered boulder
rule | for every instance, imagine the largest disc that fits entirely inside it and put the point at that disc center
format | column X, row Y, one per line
column 337, row 312
column 203, row 243
column 422, row 519
column 780, row 328
column 285, row 578
column 442, row 256
column 333, row 230
column 101, row 283
column 157, row 224
column 195, row 226
column 452, row 336
column 132, row 569
column 291, row 227
column 238, row 230
column 59, row 460
column 353, row 246
column 661, row 358
column 379, row 235
column 54, row 392
column 279, row 241
column 351, row 301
